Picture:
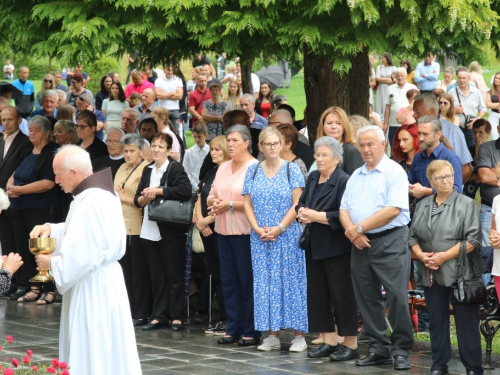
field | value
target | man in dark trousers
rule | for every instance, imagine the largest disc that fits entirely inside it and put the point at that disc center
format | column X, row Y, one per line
column 13, row 147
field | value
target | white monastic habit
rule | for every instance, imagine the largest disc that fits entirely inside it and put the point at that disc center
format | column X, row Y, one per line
column 97, row 335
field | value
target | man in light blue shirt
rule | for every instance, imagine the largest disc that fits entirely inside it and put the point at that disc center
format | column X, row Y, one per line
column 426, row 74
column 375, row 213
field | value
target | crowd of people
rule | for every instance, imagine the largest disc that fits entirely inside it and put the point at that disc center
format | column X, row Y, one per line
column 294, row 237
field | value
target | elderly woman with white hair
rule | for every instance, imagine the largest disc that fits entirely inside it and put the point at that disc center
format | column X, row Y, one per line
column 35, row 200
column 329, row 282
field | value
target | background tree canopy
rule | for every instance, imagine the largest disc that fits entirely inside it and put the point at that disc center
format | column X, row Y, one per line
column 333, row 36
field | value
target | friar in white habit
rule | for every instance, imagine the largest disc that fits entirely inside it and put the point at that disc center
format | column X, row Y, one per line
column 96, row 334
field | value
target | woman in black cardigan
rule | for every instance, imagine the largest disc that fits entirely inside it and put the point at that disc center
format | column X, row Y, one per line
column 164, row 244
column 328, row 259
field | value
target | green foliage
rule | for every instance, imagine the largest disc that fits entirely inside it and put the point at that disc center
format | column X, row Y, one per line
column 99, row 68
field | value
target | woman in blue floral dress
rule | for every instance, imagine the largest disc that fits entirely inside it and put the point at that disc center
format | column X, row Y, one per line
column 272, row 189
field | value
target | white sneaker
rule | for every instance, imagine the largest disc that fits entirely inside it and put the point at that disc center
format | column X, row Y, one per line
column 298, row 344
column 269, row 343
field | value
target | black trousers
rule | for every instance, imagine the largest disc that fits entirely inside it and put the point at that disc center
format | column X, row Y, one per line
column 437, row 298
column 387, row 263
column 199, row 264
column 211, row 245
column 329, row 286
column 25, row 221
column 167, row 261
column 137, row 279
column 7, row 238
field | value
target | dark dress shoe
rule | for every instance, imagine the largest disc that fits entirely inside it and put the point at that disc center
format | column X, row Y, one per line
column 344, row 353
column 249, row 342
column 441, row 372
column 227, row 340
column 472, row 373
column 139, row 322
column 200, row 318
column 374, row 359
column 176, row 327
column 152, row 326
column 401, row 362
column 323, row 351
column 19, row 293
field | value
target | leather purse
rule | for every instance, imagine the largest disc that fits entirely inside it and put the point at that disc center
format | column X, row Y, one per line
column 305, row 238
column 467, row 292
column 171, row 212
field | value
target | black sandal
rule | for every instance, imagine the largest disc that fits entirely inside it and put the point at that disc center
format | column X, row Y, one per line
column 46, row 298
column 27, row 298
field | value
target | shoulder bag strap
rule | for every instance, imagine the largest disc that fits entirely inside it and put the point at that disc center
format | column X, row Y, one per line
column 458, row 95
column 255, row 170
column 201, row 101
column 130, row 174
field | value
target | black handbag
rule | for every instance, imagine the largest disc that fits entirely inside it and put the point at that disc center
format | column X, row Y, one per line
column 467, row 292
column 305, row 238
column 171, row 212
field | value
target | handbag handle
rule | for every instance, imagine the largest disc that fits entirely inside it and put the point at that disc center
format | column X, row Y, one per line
column 463, row 259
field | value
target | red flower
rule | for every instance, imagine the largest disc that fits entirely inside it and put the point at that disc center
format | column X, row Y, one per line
column 30, row 352
column 27, row 359
column 51, row 370
column 15, row 362
column 34, row 368
column 8, row 371
column 55, row 362
column 1, row 348
column 10, row 339
column 63, row 365
column 65, row 372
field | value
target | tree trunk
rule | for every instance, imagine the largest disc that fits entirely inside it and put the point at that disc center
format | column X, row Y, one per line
column 358, row 84
column 246, row 72
column 323, row 87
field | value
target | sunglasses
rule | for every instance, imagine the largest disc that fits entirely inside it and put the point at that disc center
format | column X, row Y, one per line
column 444, row 103
column 47, row 81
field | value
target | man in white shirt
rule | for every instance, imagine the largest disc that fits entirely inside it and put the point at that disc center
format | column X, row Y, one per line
column 194, row 156
column 396, row 99
column 8, row 70
column 169, row 91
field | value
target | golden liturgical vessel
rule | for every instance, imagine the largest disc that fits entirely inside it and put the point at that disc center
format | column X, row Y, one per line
column 42, row 246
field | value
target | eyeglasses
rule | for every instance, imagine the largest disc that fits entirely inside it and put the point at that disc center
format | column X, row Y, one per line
column 47, row 81
column 73, row 82
column 109, row 141
column 448, row 177
column 270, row 145
column 322, row 156
column 444, row 103
column 82, row 127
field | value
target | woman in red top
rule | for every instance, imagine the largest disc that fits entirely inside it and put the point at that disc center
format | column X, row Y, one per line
column 263, row 103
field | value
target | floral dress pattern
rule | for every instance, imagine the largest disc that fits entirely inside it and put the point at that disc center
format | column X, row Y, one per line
column 215, row 109
column 279, row 267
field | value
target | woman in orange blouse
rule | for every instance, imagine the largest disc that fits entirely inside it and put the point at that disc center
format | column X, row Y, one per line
column 226, row 203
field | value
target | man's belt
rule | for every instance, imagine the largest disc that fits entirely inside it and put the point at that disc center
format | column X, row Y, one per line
column 372, row 236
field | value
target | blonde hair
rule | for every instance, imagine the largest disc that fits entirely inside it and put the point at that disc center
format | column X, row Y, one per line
column 268, row 131
column 162, row 113
column 347, row 135
column 437, row 165
column 231, row 69
column 475, row 67
column 43, row 84
column 220, row 142
column 238, row 91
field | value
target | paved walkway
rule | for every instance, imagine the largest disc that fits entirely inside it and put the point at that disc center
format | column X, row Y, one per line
column 188, row 352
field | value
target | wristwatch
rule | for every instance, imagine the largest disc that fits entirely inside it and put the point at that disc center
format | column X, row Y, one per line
column 282, row 228
column 231, row 206
column 360, row 229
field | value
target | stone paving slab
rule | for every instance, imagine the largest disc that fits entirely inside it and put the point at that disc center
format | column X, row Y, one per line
column 191, row 351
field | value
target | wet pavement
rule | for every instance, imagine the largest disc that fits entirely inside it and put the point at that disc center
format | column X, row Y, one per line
column 190, row 351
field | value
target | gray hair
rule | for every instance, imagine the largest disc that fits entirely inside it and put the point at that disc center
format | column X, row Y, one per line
column 133, row 111
column 132, row 140
column 244, row 132
column 40, row 121
column 59, row 92
column 250, row 98
column 52, row 93
column 435, row 123
column 75, row 157
column 462, row 69
column 331, row 143
column 429, row 101
column 115, row 130
column 401, row 70
column 375, row 128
